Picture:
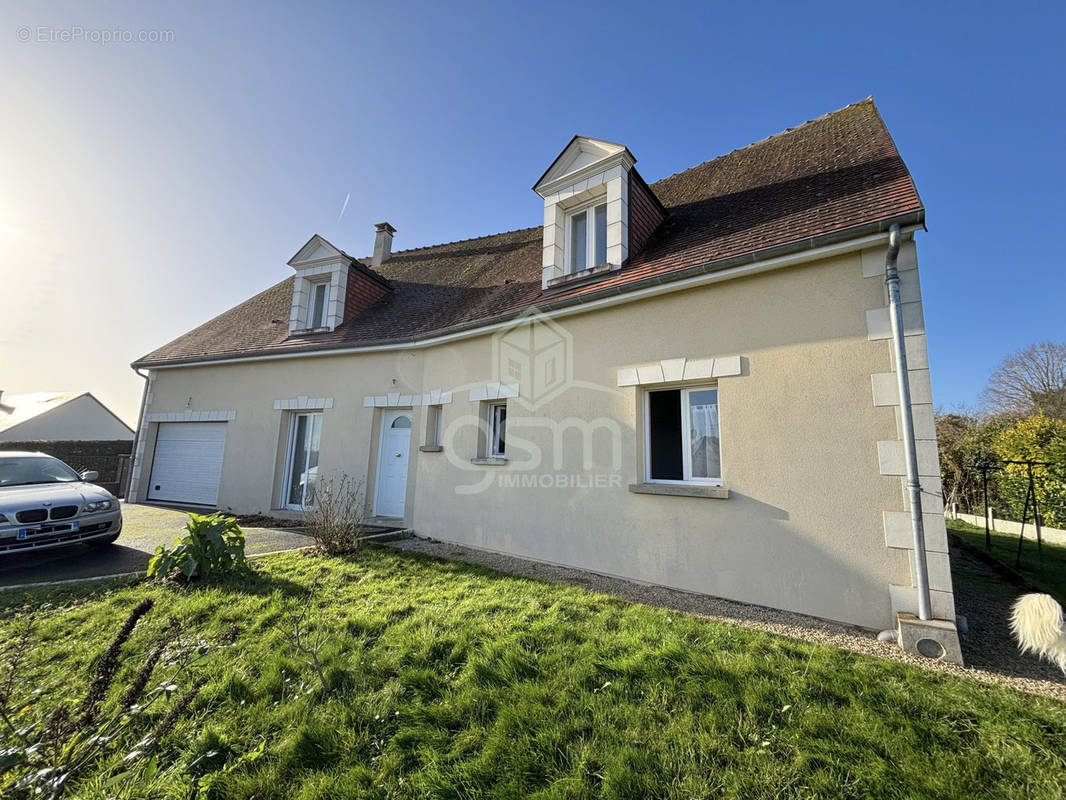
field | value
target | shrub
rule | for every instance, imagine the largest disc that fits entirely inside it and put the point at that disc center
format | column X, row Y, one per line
column 967, row 443
column 214, row 544
column 1035, row 438
column 336, row 520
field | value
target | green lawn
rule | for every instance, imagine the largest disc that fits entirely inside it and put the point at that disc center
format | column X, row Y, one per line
column 451, row 681
column 1047, row 573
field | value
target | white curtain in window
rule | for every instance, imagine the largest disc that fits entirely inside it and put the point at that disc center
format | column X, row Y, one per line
column 704, row 434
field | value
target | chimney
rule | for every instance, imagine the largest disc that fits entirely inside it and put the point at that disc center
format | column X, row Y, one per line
column 382, row 244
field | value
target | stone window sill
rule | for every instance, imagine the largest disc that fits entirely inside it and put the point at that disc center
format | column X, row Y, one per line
column 430, row 448
column 584, row 276
column 310, row 331
column 489, row 461
column 681, row 490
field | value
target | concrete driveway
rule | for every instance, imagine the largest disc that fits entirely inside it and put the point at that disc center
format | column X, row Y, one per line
column 144, row 528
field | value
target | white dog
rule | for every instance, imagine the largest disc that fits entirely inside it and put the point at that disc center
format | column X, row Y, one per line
column 1036, row 622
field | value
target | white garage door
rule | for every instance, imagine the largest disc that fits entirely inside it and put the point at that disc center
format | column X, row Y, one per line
column 187, row 464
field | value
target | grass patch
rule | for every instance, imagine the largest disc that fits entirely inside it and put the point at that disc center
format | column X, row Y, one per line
column 1047, row 573
column 452, row 681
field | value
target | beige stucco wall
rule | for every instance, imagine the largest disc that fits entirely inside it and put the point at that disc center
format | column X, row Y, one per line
column 802, row 528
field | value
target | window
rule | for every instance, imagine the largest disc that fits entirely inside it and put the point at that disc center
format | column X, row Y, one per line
column 434, row 417
column 301, row 463
column 587, row 238
column 28, row 470
column 497, row 444
column 316, row 309
column 682, row 441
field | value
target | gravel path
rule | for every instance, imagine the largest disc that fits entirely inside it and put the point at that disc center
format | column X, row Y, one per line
column 980, row 594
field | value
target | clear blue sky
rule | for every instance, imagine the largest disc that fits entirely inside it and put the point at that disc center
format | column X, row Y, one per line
column 145, row 187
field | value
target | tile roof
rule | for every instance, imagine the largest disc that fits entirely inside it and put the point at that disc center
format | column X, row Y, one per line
column 830, row 178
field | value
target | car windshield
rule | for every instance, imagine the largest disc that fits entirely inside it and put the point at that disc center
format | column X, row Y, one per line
column 28, row 470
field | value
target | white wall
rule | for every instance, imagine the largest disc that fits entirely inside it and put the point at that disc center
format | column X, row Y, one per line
column 1052, row 535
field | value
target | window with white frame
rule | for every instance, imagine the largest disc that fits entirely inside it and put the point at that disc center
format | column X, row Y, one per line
column 318, row 305
column 301, row 460
column 434, row 417
column 586, row 237
column 682, row 436
column 497, row 430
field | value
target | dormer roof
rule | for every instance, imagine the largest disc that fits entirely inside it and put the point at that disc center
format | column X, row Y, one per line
column 315, row 251
column 319, row 250
column 583, row 155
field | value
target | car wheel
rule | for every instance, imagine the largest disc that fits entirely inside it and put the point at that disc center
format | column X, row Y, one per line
column 101, row 542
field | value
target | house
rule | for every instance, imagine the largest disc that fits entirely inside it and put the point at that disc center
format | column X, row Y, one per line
column 59, row 417
column 74, row 427
column 688, row 382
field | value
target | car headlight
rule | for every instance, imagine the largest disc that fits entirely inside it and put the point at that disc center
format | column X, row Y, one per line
column 99, row 505
column 4, row 520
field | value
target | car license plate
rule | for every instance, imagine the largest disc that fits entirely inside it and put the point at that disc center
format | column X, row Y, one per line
column 27, row 532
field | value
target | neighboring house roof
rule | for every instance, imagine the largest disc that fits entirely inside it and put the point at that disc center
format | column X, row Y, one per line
column 58, row 416
column 18, row 408
column 829, row 179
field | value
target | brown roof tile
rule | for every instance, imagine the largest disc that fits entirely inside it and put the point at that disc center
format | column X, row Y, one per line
column 825, row 178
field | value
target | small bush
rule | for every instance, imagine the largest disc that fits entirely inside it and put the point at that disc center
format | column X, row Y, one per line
column 214, row 544
column 336, row 520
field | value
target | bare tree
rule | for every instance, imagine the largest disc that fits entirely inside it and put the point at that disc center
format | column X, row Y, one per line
column 306, row 634
column 336, row 519
column 1028, row 380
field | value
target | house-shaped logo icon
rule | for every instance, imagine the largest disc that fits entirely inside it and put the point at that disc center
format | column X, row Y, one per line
column 536, row 353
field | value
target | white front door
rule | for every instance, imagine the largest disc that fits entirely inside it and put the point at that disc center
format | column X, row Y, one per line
column 393, row 450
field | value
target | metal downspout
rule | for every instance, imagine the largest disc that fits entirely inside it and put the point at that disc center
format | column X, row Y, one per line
column 137, row 434
column 914, row 487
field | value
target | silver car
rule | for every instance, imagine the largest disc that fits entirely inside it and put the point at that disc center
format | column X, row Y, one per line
column 44, row 503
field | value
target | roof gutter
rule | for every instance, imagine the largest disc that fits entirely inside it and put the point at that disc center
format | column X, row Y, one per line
column 914, row 488
column 780, row 256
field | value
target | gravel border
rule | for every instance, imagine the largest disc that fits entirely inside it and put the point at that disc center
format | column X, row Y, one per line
column 1000, row 663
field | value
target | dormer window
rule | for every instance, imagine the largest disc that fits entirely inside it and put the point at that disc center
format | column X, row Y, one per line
column 331, row 287
column 598, row 212
column 587, row 239
column 316, row 309
column 586, row 211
